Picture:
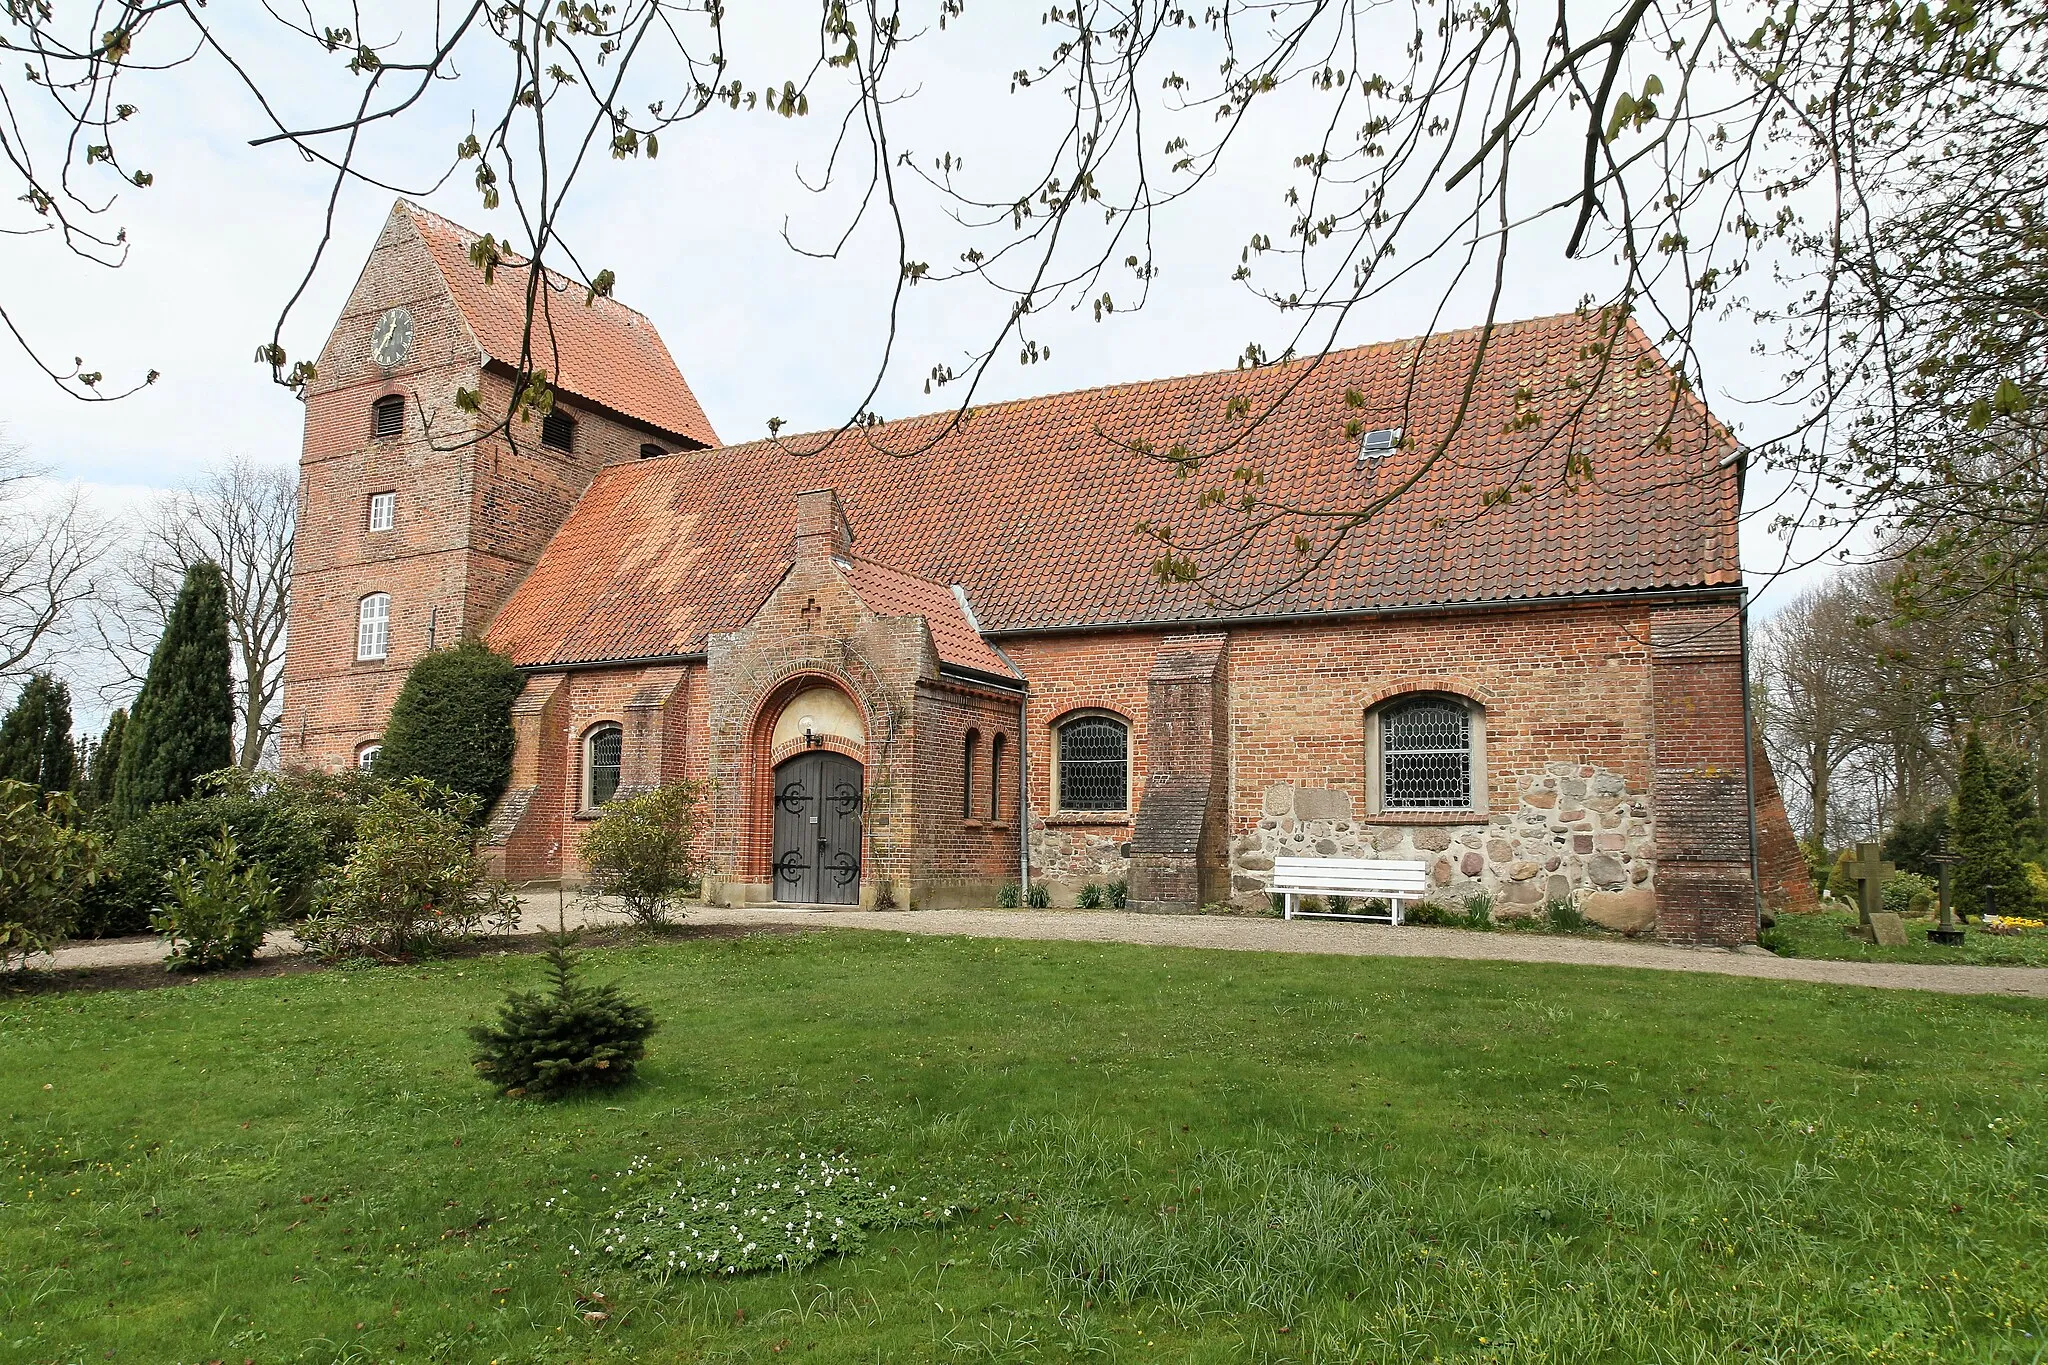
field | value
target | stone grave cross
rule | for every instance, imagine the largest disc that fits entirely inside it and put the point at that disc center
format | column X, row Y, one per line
column 1870, row 869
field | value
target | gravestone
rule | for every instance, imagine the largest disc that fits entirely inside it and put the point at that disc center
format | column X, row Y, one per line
column 1870, row 870
column 1887, row 930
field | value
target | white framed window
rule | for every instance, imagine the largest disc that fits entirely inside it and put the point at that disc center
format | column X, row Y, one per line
column 603, row 754
column 383, row 511
column 373, row 626
column 1427, row 752
column 366, row 756
column 1093, row 754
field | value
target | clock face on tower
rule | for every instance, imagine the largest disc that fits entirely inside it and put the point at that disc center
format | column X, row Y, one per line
column 391, row 338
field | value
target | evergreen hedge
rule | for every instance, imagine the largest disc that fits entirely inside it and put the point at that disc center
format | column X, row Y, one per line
column 96, row 790
column 452, row 722
column 1990, row 877
column 35, row 738
column 182, row 726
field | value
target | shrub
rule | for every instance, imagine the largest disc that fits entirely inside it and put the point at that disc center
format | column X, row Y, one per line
column 452, row 722
column 220, row 908
column 1089, row 897
column 414, row 881
column 1006, row 896
column 1119, row 892
column 641, row 850
column 1564, row 915
column 46, row 863
column 1039, row 897
column 298, row 825
column 1905, row 893
column 1337, row 905
column 570, row 1036
column 1479, row 911
column 1429, row 912
column 1913, row 840
column 183, row 722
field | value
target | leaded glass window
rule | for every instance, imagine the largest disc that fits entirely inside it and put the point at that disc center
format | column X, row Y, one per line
column 1426, row 755
column 603, row 751
column 1094, row 764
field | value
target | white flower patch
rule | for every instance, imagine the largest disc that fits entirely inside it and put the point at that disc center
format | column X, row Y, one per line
column 779, row 1211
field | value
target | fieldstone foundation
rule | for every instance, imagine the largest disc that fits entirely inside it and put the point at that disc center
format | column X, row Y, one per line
column 1576, row 827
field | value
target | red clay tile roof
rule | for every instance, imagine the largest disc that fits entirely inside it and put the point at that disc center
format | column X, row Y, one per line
column 888, row 592
column 1615, row 482
column 603, row 351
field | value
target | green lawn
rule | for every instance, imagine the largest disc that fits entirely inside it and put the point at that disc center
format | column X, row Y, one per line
column 1193, row 1157
column 1828, row 935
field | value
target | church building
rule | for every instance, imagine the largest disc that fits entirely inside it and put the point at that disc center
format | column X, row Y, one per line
column 934, row 657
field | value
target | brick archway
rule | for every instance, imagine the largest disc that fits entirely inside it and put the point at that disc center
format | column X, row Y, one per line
column 762, row 754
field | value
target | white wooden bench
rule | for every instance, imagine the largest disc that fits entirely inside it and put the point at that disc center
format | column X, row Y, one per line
column 1359, row 879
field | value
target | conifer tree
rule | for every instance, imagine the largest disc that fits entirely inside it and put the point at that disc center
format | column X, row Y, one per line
column 98, row 787
column 1990, row 877
column 35, row 738
column 183, row 722
column 452, row 722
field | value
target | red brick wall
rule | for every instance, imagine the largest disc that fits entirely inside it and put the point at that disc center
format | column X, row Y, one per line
column 471, row 516
column 965, row 856
column 1701, row 787
column 1105, row 671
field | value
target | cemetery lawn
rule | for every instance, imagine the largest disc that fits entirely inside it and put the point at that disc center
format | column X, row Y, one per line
column 1176, row 1156
column 1828, row 935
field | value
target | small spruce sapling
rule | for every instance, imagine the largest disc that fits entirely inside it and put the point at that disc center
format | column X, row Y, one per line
column 569, row 1036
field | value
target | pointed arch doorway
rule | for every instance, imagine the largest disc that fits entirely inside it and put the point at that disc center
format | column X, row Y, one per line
column 817, row 849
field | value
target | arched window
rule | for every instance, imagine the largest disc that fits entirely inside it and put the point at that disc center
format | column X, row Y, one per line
column 603, row 749
column 1425, row 752
column 366, row 757
column 1094, row 755
column 387, row 417
column 969, row 752
column 373, row 626
column 995, row 778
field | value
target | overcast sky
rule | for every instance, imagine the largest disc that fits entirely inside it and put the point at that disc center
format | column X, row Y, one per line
column 223, row 236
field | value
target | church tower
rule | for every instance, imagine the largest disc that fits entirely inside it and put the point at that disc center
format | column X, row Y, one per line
column 416, row 518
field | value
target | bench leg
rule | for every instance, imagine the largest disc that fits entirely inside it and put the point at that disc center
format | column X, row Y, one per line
column 1396, row 903
column 1290, row 905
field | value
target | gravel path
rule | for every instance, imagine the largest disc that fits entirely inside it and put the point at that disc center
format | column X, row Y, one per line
column 1246, row 934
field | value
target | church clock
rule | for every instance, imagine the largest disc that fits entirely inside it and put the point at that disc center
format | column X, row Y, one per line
column 391, row 338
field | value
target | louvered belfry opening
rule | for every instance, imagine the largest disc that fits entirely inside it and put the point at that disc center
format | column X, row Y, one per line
column 558, row 431
column 387, row 417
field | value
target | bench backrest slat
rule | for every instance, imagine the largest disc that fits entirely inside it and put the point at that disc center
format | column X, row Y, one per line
column 1376, row 875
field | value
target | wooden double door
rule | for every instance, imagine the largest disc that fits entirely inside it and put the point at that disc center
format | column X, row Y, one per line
column 817, row 829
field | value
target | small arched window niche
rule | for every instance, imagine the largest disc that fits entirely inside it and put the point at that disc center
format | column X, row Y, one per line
column 995, row 777
column 970, row 756
column 366, row 756
column 604, row 749
column 1092, row 763
column 373, row 627
column 1426, row 754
